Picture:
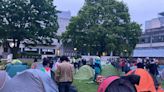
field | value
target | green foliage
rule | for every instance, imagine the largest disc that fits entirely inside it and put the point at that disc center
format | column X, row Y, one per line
column 103, row 26
column 31, row 21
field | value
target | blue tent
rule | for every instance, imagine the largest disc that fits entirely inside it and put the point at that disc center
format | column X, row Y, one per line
column 13, row 69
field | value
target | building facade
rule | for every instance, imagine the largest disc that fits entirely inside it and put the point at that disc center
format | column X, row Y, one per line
column 151, row 42
column 55, row 49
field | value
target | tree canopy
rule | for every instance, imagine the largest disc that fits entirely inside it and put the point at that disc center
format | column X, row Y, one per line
column 103, row 26
column 30, row 21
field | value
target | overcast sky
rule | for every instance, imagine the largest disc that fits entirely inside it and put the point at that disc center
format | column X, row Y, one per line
column 140, row 10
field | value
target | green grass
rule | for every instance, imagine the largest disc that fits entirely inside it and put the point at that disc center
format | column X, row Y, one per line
column 84, row 86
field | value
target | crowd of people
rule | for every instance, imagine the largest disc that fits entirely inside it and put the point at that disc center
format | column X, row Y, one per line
column 61, row 72
column 126, row 64
column 64, row 68
column 149, row 64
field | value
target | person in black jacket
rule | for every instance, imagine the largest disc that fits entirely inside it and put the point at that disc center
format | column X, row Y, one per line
column 140, row 65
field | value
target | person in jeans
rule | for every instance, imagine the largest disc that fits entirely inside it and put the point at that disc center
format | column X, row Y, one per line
column 64, row 74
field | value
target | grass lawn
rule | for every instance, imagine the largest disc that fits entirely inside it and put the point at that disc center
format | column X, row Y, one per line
column 84, row 86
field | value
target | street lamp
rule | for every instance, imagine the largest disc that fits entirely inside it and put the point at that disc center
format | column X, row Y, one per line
column 58, row 52
column 11, row 44
column 75, row 49
column 126, row 54
column 125, row 50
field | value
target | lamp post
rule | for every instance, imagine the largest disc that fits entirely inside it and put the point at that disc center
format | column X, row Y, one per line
column 58, row 52
column 125, row 52
column 11, row 44
column 12, row 49
column 75, row 50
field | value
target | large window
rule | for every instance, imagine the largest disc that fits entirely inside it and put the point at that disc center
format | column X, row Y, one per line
column 145, row 40
column 159, row 38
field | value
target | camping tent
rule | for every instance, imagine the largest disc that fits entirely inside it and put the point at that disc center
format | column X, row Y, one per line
column 117, row 84
column 3, row 78
column 32, row 80
column 84, row 73
column 13, row 69
column 146, row 81
column 16, row 61
column 109, row 70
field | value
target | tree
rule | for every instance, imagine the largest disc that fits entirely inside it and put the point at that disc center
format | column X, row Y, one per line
column 27, row 21
column 103, row 26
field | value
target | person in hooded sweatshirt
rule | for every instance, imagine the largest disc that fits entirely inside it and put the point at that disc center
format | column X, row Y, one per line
column 97, row 67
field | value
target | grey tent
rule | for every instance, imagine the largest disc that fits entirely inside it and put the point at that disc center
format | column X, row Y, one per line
column 32, row 80
column 3, row 78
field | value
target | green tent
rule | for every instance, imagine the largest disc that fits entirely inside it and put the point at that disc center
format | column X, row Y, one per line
column 84, row 73
column 16, row 61
column 109, row 70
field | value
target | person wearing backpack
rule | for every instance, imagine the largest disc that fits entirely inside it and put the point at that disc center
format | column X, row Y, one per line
column 97, row 67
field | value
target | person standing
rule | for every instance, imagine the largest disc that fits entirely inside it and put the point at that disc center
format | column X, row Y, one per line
column 97, row 67
column 46, row 67
column 140, row 63
column 64, row 74
column 34, row 64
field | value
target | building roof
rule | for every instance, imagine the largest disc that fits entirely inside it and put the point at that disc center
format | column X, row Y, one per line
column 148, row 52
